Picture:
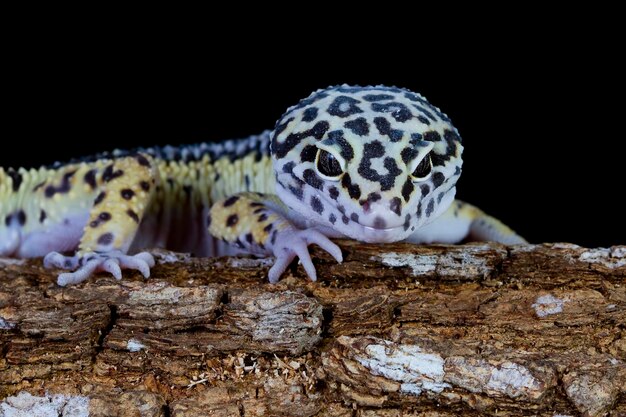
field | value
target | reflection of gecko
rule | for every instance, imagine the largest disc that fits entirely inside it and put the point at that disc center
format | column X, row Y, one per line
column 375, row 164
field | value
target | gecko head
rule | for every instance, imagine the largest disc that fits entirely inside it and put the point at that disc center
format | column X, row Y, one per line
column 372, row 163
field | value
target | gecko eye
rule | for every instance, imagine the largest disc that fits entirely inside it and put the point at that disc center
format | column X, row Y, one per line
column 422, row 171
column 327, row 164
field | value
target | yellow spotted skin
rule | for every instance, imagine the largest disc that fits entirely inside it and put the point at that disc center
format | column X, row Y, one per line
column 247, row 220
column 125, row 190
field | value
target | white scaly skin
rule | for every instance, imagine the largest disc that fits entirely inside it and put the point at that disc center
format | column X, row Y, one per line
column 375, row 164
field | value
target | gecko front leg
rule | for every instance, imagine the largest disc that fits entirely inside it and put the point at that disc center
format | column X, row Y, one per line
column 257, row 223
column 125, row 190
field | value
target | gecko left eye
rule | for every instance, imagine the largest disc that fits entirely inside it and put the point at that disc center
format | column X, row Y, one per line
column 328, row 165
column 423, row 169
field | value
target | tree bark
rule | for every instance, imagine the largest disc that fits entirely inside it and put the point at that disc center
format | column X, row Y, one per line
column 396, row 329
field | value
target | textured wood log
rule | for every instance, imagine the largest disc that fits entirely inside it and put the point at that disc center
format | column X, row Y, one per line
column 477, row 329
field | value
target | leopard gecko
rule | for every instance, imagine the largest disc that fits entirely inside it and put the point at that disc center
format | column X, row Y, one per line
column 375, row 164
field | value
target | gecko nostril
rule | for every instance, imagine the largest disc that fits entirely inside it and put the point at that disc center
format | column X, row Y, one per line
column 366, row 206
column 379, row 223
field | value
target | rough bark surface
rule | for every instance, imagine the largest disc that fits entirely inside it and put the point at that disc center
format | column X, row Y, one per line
column 396, row 329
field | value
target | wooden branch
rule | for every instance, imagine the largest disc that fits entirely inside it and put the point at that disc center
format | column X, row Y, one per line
column 396, row 329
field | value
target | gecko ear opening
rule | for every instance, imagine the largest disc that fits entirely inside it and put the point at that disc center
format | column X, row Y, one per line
column 327, row 165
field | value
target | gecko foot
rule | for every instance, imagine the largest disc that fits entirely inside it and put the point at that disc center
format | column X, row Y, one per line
column 291, row 243
column 91, row 262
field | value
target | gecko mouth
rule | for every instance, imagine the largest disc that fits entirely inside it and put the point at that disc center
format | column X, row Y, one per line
column 375, row 234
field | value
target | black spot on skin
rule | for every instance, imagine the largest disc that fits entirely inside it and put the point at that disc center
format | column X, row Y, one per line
column 281, row 149
column 358, row 126
column 232, row 220
column 430, row 207
column 345, row 149
column 416, row 138
column 143, row 161
column 239, row 244
column 344, row 106
column 457, row 170
column 62, row 188
column 288, row 167
column 408, row 154
column 309, row 114
column 246, row 180
column 439, row 197
column 317, row 205
column 256, row 204
column 170, row 182
column 425, row 189
column 353, row 189
column 452, row 140
column 16, row 177
column 423, row 120
column 132, row 215
column 298, row 192
column 332, row 218
column 372, row 150
column 432, row 136
column 333, row 192
column 145, row 185
column 90, row 178
column 104, row 216
column 208, row 220
column 419, row 210
column 373, row 197
column 127, row 193
column 377, row 97
column 398, row 111
column 407, row 222
column 259, row 210
column 280, row 128
column 379, row 223
column 438, row 179
column 407, row 189
column 345, row 219
column 384, row 128
column 49, row 191
column 425, row 112
column 311, row 178
column 42, row 216
column 21, row 217
column 99, row 198
column 231, row 200
column 341, row 209
column 268, row 228
column 105, row 239
column 308, row 153
column 354, row 217
column 109, row 174
column 273, row 238
column 187, row 190
column 262, row 217
column 7, row 220
column 249, row 238
column 395, row 205
column 217, row 177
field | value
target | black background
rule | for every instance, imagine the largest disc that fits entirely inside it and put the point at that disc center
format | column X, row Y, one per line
column 542, row 121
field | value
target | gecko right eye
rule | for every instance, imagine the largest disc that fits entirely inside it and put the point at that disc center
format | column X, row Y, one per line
column 328, row 165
